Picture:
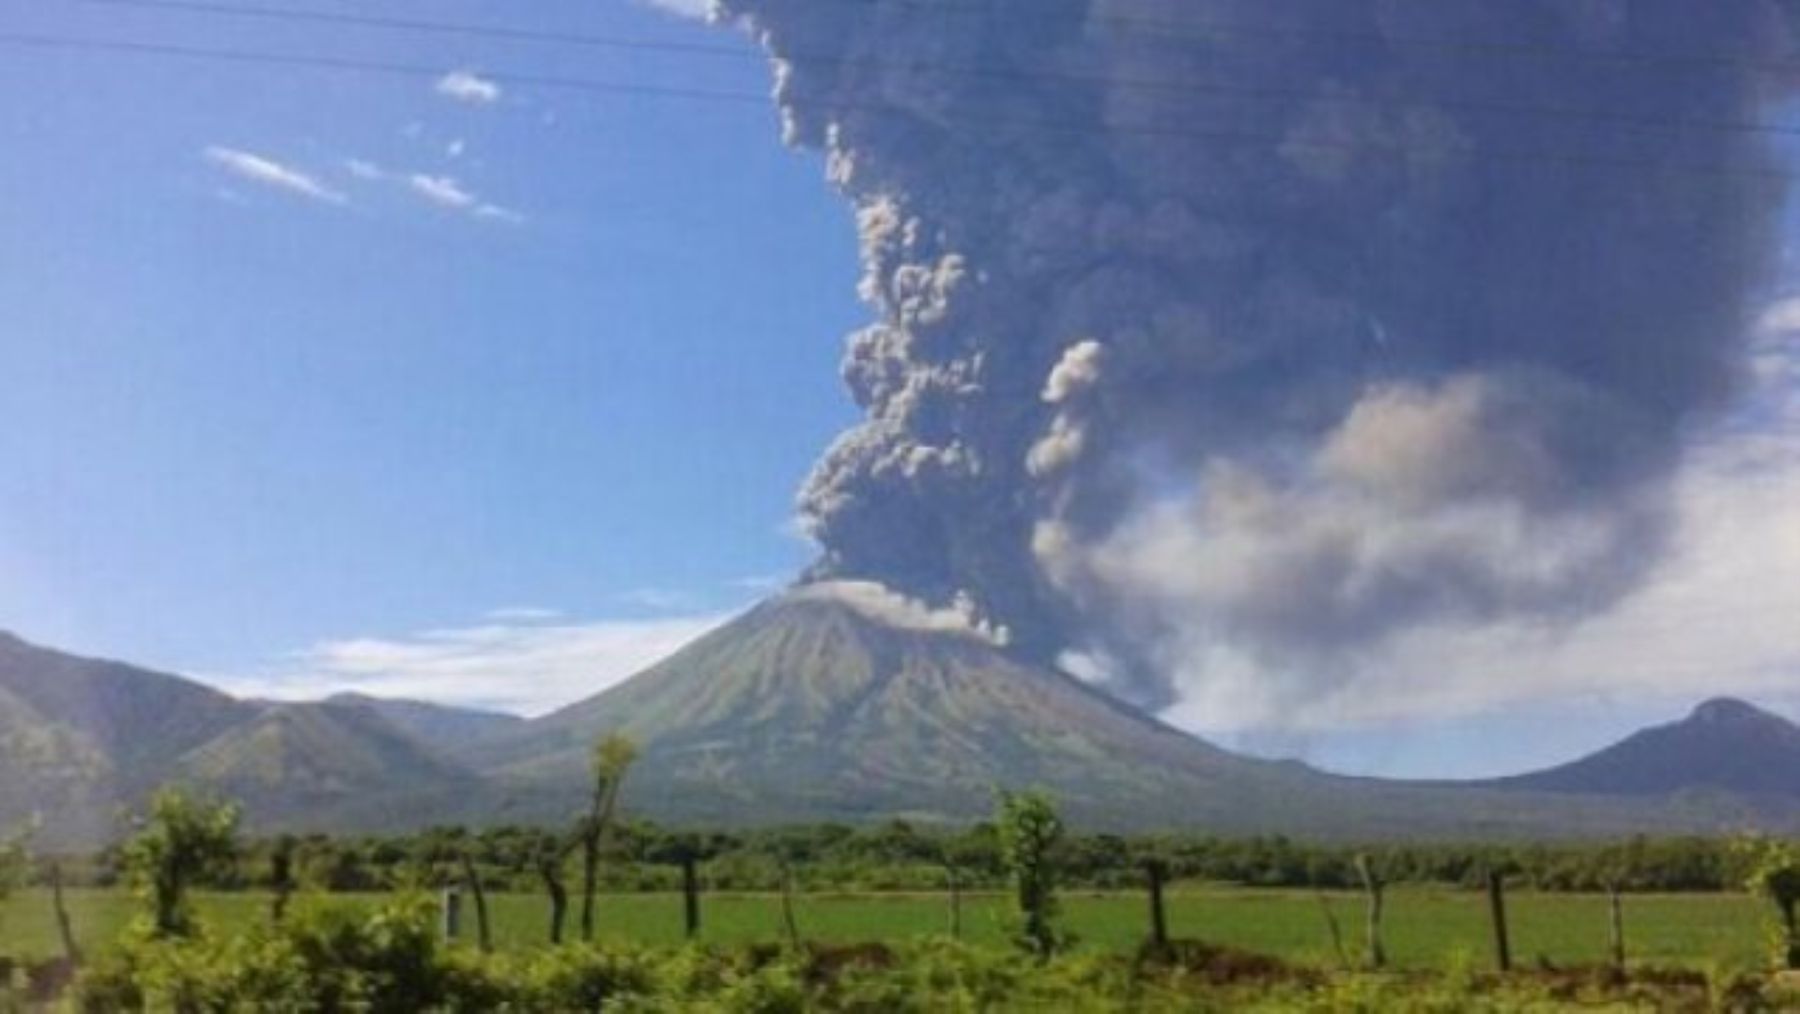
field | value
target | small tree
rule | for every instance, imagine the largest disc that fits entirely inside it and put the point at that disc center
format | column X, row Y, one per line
column 184, row 841
column 15, row 862
column 1030, row 830
column 1375, row 888
column 612, row 757
column 1775, row 874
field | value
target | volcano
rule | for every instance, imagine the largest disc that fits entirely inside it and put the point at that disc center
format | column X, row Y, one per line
column 809, row 706
column 813, row 706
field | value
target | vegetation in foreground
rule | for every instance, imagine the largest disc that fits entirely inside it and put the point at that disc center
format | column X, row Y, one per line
column 393, row 956
column 391, row 959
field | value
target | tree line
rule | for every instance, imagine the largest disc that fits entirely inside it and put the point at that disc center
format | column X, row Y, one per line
column 639, row 855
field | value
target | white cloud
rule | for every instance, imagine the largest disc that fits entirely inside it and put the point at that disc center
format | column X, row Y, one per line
column 659, row 599
column 441, row 190
column 467, row 86
column 495, row 213
column 1717, row 617
column 698, row 10
column 269, row 173
column 520, row 660
column 364, row 170
column 447, row 192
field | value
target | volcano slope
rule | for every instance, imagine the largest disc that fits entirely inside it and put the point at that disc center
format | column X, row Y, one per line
column 812, row 707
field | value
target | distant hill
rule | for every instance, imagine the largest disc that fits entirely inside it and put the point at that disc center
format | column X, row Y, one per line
column 291, row 758
column 438, row 726
column 77, row 735
column 80, row 738
column 1725, row 745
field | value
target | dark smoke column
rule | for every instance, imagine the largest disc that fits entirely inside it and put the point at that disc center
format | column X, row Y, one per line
column 1269, row 329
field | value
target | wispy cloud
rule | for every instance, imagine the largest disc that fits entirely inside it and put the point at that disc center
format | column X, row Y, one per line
column 519, row 660
column 267, row 172
column 444, row 192
column 523, row 614
column 365, row 170
column 759, row 583
column 467, row 86
column 495, row 213
column 447, row 192
column 695, row 9
column 441, row 190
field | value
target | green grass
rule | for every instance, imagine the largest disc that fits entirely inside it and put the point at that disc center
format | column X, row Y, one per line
column 1424, row 927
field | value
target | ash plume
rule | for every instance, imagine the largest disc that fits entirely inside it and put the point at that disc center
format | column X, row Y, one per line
column 1262, row 332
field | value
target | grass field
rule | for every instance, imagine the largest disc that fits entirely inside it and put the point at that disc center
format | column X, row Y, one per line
column 1423, row 928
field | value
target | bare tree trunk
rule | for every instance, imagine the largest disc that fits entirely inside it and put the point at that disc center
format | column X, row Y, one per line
column 1375, row 889
column 1336, row 931
column 590, row 873
column 1497, row 911
column 551, row 872
column 482, row 937
column 1616, row 909
column 71, row 951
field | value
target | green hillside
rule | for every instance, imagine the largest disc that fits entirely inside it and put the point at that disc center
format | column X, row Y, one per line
column 293, row 758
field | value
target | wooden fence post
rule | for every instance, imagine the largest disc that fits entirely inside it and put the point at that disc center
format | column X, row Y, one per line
column 1616, row 907
column 955, row 879
column 787, row 906
column 1497, row 910
column 452, row 904
column 1336, row 931
column 690, row 895
column 1156, row 872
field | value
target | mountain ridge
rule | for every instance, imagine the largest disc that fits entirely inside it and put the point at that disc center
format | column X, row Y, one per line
column 802, row 709
column 1723, row 744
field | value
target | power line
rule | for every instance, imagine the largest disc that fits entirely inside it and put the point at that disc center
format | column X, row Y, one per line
column 1254, row 93
column 629, row 89
column 412, row 70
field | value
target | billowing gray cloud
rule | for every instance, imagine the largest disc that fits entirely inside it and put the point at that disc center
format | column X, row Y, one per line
column 1281, row 340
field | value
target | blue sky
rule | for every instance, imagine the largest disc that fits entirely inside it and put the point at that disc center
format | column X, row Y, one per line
column 257, row 400
column 448, row 385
